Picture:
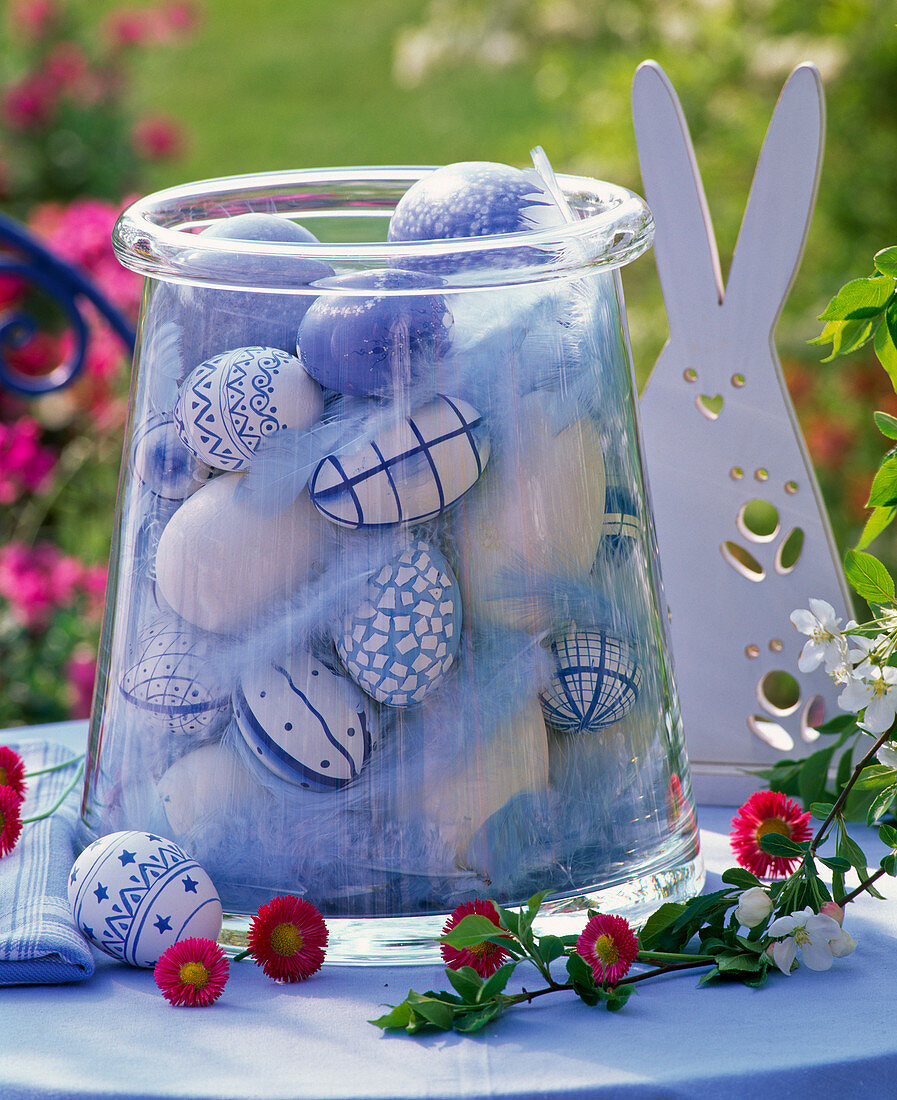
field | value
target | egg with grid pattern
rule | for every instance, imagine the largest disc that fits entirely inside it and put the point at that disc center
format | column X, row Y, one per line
column 134, row 894
column 229, row 404
column 172, row 681
column 595, row 683
column 400, row 642
column 408, row 473
column 304, row 722
column 162, row 461
column 373, row 343
column 622, row 528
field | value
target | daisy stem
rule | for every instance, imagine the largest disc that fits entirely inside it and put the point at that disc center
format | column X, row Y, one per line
column 59, row 801
column 240, row 956
column 55, row 767
column 696, row 960
column 823, row 829
column 674, row 957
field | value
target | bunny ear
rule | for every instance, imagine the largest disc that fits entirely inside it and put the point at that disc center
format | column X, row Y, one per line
column 684, row 242
column 775, row 224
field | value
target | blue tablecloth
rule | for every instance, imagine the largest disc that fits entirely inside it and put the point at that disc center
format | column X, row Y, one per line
column 808, row 1035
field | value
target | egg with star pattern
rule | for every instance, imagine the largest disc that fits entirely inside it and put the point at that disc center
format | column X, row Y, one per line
column 134, row 894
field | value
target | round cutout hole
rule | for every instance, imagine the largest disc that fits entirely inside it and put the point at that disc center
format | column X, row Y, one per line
column 779, row 693
column 758, row 521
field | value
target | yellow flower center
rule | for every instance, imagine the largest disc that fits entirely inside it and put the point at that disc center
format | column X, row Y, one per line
column 286, row 939
column 195, row 974
column 4, row 776
column 773, row 825
column 879, row 687
column 801, row 936
column 606, row 950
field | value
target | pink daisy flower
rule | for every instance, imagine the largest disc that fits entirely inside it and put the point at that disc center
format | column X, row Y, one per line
column 10, row 820
column 609, row 946
column 12, row 771
column 288, row 939
column 767, row 812
column 484, row 957
column 192, row 973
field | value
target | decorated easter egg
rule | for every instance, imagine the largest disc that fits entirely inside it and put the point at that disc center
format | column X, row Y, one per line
column 228, row 405
column 304, row 722
column 162, row 461
column 401, row 641
column 173, row 681
column 216, row 319
column 473, row 199
column 409, row 473
column 373, row 343
column 134, row 894
column 595, row 683
column 219, row 563
column 622, row 528
column 535, row 519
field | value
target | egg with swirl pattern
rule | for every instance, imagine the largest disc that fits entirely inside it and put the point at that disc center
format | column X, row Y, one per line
column 231, row 403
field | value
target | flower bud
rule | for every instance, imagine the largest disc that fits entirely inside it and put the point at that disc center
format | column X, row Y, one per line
column 754, row 906
column 843, row 945
column 834, row 910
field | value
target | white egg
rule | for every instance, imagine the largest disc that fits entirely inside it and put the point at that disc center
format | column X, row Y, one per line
column 162, row 461
column 400, row 642
column 409, row 473
column 219, row 564
column 304, row 722
column 538, row 512
column 134, row 894
column 228, row 405
column 173, row 681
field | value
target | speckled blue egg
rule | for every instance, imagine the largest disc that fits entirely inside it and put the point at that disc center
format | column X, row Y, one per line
column 408, row 473
column 172, row 680
column 595, row 683
column 304, row 722
column 134, row 894
column 230, row 404
column 400, row 642
column 374, row 343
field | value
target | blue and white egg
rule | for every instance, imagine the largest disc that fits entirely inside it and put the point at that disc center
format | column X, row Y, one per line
column 134, row 894
column 163, row 462
column 595, row 683
column 622, row 528
column 409, row 473
column 172, row 681
column 228, row 405
column 305, row 723
column 399, row 644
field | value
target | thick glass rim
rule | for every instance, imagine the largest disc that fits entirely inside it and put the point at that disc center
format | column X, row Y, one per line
column 158, row 235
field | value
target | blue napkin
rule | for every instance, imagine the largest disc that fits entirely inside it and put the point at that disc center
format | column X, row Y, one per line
column 38, row 938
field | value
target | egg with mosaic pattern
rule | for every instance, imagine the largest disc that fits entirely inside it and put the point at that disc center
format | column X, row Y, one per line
column 134, row 894
column 230, row 404
column 305, row 723
column 595, row 683
column 399, row 643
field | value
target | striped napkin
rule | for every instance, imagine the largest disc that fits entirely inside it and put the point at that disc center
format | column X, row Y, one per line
column 38, row 938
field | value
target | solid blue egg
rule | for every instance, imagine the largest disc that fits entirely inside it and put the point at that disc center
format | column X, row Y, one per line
column 473, row 199
column 373, row 343
column 596, row 682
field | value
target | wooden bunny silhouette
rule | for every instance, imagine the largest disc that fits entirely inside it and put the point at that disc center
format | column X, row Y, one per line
column 741, row 525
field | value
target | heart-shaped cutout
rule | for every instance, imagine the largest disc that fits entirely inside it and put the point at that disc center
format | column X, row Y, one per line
column 711, row 407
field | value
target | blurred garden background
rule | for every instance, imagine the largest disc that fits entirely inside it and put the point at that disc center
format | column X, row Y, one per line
column 101, row 101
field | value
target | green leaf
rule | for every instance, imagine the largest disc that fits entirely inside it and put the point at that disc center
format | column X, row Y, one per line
column 887, row 834
column 845, row 336
column 821, row 810
column 882, row 517
column 471, row 930
column 886, row 260
column 432, row 1009
column 851, row 851
column 618, row 997
column 497, row 981
column 579, row 970
column 880, row 804
column 886, row 424
column 845, row 769
column 775, row 844
column 738, row 876
column 883, row 490
column 875, row 776
column 860, row 298
column 466, row 981
column 661, row 919
column 474, row 1021
column 550, row 948
column 885, row 350
column 397, row 1019
column 867, row 575
column 742, row 961
column 835, row 863
column 889, row 863
column 813, row 775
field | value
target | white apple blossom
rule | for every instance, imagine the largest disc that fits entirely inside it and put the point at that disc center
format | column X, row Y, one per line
column 843, row 945
column 826, row 642
column 876, row 695
column 754, row 906
column 811, row 933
